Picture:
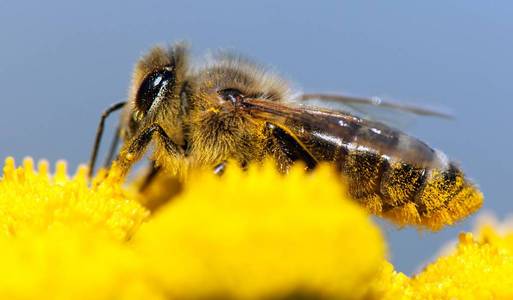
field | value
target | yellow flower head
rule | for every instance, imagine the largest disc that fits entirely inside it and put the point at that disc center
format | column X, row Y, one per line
column 60, row 239
column 244, row 236
column 477, row 268
column 36, row 202
column 257, row 234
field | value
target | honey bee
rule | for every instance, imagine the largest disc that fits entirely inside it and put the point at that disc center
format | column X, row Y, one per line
column 231, row 109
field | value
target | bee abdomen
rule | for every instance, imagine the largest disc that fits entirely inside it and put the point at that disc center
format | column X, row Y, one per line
column 445, row 198
column 401, row 183
column 408, row 194
column 364, row 171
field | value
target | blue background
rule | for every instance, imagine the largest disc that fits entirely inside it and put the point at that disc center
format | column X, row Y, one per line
column 63, row 62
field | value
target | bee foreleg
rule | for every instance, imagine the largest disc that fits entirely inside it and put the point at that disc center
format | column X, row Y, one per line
column 134, row 149
column 290, row 146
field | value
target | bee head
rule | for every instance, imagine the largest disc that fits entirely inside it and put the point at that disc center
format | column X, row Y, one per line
column 155, row 93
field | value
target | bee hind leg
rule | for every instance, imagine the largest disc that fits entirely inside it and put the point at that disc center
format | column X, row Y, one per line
column 290, row 146
column 219, row 168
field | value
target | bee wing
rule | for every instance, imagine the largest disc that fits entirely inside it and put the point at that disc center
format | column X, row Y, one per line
column 374, row 102
column 373, row 108
column 317, row 126
column 286, row 113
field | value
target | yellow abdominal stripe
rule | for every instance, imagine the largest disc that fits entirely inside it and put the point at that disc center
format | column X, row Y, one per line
column 245, row 235
column 443, row 202
column 409, row 197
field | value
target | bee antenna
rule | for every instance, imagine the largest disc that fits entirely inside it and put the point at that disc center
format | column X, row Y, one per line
column 99, row 133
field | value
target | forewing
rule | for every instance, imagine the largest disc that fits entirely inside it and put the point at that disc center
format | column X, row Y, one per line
column 320, row 129
column 396, row 114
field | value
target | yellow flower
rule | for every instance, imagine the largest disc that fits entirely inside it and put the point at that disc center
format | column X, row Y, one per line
column 60, row 239
column 258, row 234
column 35, row 202
column 391, row 284
column 478, row 268
column 244, row 236
column 71, row 264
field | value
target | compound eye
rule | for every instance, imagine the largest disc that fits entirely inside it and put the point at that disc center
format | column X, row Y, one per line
column 154, row 87
column 232, row 95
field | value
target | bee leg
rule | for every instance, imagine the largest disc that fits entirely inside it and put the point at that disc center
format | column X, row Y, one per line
column 134, row 149
column 99, row 133
column 290, row 146
column 158, row 187
column 112, row 149
column 148, row 179
column 219, row 168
